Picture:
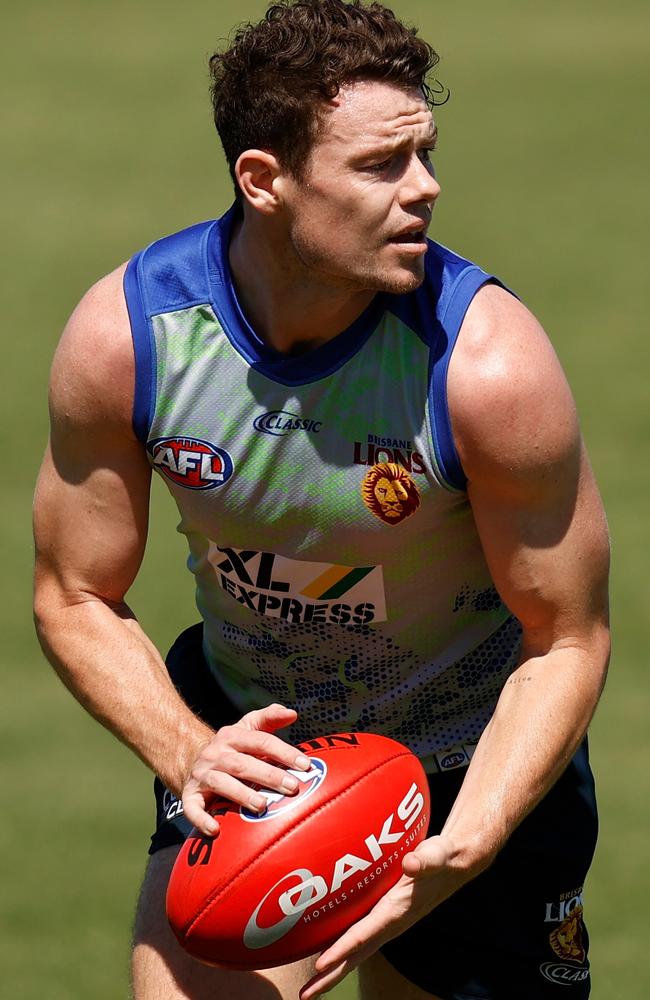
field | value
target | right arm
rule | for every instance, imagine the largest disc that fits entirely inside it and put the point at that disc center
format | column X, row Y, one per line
column 90, row 523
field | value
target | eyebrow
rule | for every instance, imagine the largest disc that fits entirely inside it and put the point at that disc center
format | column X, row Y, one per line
column 386, row 146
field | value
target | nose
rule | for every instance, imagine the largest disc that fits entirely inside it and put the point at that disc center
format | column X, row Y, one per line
column 420, row 184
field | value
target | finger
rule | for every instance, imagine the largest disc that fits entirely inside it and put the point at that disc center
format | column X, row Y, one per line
column 361, row 940
column 237, row 772
column 270, row 718
column 195, row 811
column 323, row 982
column 261, row 745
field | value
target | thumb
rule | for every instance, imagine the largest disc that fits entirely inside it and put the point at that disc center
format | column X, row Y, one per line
column 428, row 857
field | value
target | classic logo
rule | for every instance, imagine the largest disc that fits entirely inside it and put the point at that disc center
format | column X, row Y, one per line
column 172, row 806
column 389, row 492
column 281, row 422
column 300, row 890
column 563, row 975
column 277, row 803
column 299, row 591
column 191, row 462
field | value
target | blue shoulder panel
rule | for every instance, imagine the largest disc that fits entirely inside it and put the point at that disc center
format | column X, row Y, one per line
column 436, row 312
column 143, row 349
column 170, row 274
column 175, row 270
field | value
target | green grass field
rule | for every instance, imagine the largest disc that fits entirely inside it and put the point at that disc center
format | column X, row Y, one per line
column 108, row 144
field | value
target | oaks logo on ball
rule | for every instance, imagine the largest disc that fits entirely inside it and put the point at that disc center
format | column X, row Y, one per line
column 302, row 894
column 191, row 462
column 277, row 803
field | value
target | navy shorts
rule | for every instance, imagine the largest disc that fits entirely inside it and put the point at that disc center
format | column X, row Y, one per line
column 516, row 932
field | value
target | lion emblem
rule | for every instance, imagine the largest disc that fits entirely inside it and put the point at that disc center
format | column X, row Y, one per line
column 389, row 492
column 566, row 940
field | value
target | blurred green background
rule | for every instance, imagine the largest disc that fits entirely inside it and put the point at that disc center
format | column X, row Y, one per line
column 108, row 144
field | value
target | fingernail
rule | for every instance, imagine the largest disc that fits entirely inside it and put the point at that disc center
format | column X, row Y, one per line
column 258, row 803
column 302, row 763
column 289, row 784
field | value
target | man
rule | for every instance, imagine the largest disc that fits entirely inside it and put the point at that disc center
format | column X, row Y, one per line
column 392, row 523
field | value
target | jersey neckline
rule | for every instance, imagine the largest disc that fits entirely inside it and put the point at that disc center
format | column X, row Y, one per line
column 287, row 369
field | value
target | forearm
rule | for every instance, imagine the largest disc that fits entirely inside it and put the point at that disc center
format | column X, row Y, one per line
column 112, row 668
column 541, row 717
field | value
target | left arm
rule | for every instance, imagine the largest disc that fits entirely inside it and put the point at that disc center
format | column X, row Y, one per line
column 544, row 535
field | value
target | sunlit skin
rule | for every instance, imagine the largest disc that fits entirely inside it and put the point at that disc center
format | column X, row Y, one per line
column 307, row 258
column 360, row 218
column 355, row 223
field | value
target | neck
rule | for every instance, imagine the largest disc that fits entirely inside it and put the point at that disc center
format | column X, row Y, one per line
column 291, row 307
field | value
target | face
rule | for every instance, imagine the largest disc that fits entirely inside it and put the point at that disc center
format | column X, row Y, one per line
column 390, row 497
column 359, row 216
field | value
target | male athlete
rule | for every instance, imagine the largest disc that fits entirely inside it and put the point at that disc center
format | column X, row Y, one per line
column 391, row 520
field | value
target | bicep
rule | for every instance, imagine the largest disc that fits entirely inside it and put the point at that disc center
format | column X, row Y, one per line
column 90, row 519
column 533, row 494
column 92, row 496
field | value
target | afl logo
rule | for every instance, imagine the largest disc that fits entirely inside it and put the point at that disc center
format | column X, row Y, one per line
column 277, row 803
column 191, row 462
column 453, row 760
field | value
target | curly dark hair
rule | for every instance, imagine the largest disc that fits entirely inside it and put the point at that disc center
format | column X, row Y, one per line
column 269, row 86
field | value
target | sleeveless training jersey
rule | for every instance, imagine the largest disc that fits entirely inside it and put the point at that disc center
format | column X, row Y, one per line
column 337, row 564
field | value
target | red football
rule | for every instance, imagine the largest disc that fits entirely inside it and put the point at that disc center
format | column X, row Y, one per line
column 273, row 888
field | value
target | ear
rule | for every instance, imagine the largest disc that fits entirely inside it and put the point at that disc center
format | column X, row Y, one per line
column 258, row 172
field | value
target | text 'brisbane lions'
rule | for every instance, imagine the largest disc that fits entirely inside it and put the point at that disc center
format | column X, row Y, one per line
column 273, row 888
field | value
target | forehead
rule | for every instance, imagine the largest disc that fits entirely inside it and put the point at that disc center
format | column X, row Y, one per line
column 370, row 113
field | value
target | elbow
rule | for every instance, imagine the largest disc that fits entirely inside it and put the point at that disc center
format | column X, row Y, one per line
column 46, row 611
column 604, row 651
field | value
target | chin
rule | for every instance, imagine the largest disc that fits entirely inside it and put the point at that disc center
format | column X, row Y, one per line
column 400, row 282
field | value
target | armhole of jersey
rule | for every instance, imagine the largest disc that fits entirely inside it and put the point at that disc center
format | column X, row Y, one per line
column 460, row 296
column 143, row 349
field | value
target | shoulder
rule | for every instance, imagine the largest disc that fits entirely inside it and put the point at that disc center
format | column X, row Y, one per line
column 510, row 406
column 92, row 375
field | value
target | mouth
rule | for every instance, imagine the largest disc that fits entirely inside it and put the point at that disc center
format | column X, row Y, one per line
column 412, row 239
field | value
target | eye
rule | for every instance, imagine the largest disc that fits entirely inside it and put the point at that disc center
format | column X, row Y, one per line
column 378, row 168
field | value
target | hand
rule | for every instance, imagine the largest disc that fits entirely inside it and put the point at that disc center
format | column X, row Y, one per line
column 238, row 756
column 431, row 875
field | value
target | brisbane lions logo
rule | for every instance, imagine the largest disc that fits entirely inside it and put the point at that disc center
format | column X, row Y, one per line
column 389, row 492
column 566, row 940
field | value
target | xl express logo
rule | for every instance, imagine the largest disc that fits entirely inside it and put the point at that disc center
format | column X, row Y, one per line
column 300, row 591
column 191, row 462
column 277, row 803
column 281, row 422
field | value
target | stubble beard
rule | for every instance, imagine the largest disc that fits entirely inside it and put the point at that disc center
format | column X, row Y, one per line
column 362, row 277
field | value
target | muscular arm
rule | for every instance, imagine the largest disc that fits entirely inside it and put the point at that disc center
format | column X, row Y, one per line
column 543, row 531
column 90, row 519
column 544, row 535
